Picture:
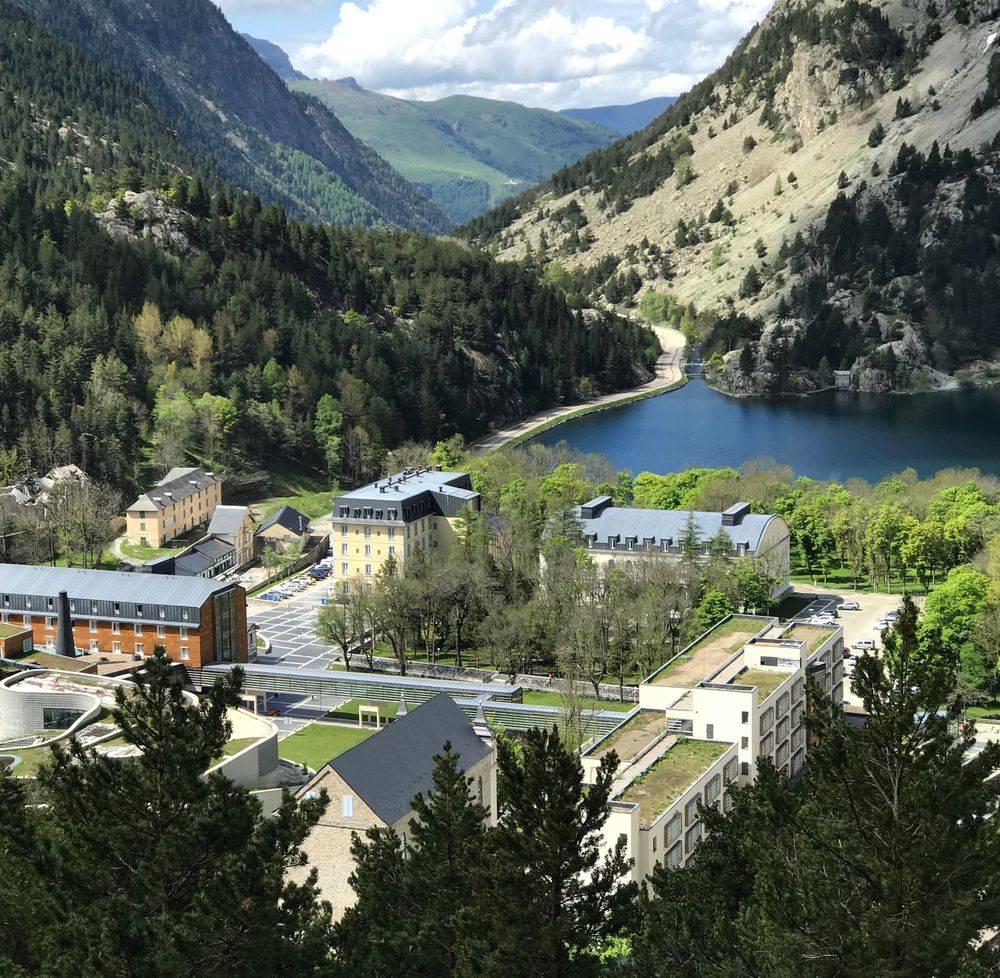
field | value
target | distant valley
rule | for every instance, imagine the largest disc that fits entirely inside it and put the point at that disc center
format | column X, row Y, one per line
column 624, row 119
column 467, row 154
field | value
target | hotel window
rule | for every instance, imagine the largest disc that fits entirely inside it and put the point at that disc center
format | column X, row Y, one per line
column 368, row 531
column 368, row 550
column 184, row 632
column 184, row 614
column 26, row 619
column 93, row 625
column 139, row 648
column 116, row 646
column 161, row 631
column 116, row 628
column 348, row 806
column 343, row 548
column 93, row 608
column 94, row 646
column 27, row 602
column 50, row 623
column 343, row 567
column 163, row 612
column 137, row 629
column 368, row 569
column 185, row 653
column 392, row 551
column 392, row 533
column 343, row 529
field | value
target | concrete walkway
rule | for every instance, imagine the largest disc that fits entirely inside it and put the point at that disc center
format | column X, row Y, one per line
column 669, row 370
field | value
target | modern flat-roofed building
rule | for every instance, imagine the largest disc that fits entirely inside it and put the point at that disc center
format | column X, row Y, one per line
column 417, row 509
column 623, row 533
column 197, row 621
column 183, row 499
column 705, row 720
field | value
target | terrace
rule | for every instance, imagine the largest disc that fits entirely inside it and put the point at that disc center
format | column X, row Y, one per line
column 666, row 780
column 813, row 635
column 766, row 680
column 634, row 735
column 708, row 654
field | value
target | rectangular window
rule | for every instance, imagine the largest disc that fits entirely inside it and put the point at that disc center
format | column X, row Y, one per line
column 675, row 856
column 691, row 812
column 139, row 649
column 368, row 550
column 161, row 631
column 368, row 569
column 50, row 623
column 392, row 533
column 93, row 625
column 116, row 628
column 348, row 806
column 673, row 830
column 184, row 631
column 94, row 646
column 226, row 637
column 185, row 653
column 137, row 629
column 116, row 646
column 710, row 731
column 344, row 548
column 343, row 568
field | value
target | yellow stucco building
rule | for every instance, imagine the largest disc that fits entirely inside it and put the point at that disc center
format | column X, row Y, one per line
column 396, row 517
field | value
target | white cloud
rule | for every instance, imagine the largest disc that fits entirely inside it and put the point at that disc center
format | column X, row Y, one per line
column 542, row 52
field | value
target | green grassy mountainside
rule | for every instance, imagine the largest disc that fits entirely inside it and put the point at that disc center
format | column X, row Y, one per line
column 466, row 153
column 624, row 119
column 226, row 103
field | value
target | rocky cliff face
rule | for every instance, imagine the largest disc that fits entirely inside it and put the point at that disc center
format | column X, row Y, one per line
column 227, row 103
column 721, row 204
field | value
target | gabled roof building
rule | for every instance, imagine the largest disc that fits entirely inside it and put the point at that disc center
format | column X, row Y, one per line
column 373, row 785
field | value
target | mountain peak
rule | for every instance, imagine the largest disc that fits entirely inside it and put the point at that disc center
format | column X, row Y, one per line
column 349, row 81
column 275, row 57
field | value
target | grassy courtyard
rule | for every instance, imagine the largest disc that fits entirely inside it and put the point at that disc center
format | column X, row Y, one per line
column 536, row 697
column 318, row 743
column 312, row 495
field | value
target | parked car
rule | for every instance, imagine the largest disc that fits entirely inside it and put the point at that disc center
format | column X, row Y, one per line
column 865, row 645
column 824, row 620
column 850, row 606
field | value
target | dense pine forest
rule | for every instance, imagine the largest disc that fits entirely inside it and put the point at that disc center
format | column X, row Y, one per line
column 151, row 312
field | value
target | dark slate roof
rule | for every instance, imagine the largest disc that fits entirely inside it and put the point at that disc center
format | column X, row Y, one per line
column 227, row 520
column 176, row 485
column 290, row 519
column 202, row 556
column 98, row 585
column 621, row 523
column 388, row 769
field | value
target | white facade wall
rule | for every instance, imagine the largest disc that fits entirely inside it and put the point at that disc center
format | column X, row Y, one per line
column 22, row 713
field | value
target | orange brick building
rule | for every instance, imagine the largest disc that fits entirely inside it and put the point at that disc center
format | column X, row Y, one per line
column 197, row 621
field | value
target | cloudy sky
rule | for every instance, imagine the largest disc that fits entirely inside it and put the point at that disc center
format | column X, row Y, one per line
column 554, row 53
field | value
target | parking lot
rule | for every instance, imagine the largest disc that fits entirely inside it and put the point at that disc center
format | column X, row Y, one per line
column 857, row 625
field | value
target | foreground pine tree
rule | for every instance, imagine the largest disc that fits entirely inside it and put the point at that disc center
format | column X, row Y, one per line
column 885, row 861
column 546, row 899
column 409, row 916
column 145, row 867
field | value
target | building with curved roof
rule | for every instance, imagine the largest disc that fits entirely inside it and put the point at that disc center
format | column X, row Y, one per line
column 622, row 533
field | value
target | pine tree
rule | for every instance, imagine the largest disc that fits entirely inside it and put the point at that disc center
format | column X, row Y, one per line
column 428, row 881
column 145, row 866
column 545, row 899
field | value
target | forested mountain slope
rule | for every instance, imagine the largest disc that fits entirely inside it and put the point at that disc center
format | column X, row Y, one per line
column 466, row 153
column 826, row 200
column 148, row 310
column 228, row 104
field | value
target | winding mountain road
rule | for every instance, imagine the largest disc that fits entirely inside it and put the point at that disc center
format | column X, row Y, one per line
column 669, row 371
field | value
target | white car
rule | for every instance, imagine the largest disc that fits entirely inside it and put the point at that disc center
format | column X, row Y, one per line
column 823, row 620
column 865, row 645
column 850, row 606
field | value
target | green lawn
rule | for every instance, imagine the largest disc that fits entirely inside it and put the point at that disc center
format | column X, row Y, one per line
column 318, row 743
column 348, row 712
column 311, row 494
column 7, row 630
column 139, row 551
column 839, row 578
column 984, row 711
column 31, row 761
column 549, row 698
column 664, row 782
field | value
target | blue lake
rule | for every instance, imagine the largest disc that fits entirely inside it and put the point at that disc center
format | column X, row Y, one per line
column 838, row 434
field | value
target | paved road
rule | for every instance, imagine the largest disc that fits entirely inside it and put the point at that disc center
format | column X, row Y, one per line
column 669, row 370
